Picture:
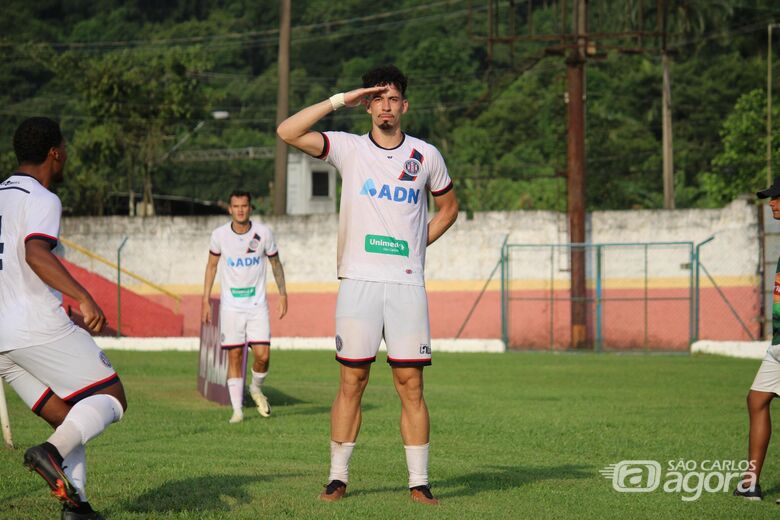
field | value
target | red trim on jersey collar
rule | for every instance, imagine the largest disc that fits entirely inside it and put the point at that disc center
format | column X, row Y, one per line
column 22, row 174
column 240, row 234
column 403, row 139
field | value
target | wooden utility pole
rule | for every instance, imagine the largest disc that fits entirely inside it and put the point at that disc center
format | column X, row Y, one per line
column 575, row 158
column 666, row 113
column 282, row 109
column 666, row 101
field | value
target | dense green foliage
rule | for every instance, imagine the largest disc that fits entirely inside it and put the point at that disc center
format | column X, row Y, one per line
column 516, row 435
column 131, row 79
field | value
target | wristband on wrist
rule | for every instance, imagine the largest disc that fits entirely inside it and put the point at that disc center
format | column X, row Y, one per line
column 337, row 101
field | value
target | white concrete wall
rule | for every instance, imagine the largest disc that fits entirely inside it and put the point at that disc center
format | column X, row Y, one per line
column 173, row 250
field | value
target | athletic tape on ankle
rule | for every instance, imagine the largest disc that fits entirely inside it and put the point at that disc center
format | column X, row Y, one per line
column 337, row 101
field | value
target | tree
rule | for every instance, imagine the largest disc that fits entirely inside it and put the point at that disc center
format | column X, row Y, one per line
column 740, row 167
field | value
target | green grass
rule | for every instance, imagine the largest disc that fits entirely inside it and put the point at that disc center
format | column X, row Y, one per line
column 513, row 436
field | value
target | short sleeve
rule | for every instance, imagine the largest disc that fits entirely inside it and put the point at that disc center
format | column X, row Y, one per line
column 336, row 148
column 42, row 221
column 214, row 247
column 439, row 181
column 270, row 244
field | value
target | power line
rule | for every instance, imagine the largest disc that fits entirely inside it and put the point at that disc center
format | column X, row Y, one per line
column 272, row 33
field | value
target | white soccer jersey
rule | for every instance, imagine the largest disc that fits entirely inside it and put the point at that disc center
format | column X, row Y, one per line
column 30, row 313
column 383, row 220
column 242, row 269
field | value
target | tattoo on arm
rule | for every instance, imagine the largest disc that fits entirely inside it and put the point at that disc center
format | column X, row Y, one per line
column 276, row 266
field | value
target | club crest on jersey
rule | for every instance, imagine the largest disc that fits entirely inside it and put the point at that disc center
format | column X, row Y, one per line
column 104, row 360
column 412, row 166
column 392, row 193
column 254, row 244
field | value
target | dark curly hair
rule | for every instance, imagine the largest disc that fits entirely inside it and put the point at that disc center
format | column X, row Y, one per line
column 385, row 75
column 34, row 138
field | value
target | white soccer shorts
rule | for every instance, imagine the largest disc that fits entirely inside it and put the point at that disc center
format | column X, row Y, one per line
column 71, row 368
column 768, row 375
column 239, row 327
column 368, row 311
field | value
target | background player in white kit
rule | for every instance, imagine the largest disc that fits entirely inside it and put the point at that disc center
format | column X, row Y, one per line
column 54, row 366
column 383, row 235
column 243, row 311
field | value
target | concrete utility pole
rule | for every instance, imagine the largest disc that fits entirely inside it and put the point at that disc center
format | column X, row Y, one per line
column 575, row 158
column 282, row 109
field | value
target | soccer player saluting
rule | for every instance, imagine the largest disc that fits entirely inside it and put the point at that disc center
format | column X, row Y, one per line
column 54, row 366
column 243, row 311
column 383, row 235
column 766, row 385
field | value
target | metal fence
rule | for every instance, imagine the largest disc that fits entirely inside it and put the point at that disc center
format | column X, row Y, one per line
column 653, row 296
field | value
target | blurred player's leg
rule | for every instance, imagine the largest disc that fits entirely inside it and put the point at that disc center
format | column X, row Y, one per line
column 235, row 382
column 79, row 394
column 262, row 355
column 258, row 333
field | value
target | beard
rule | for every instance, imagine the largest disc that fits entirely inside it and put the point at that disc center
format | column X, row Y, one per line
column 385, row 125
column 57, row 176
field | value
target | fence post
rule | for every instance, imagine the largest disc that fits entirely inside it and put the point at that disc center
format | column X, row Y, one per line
column 697, row 296
column 504, row 293
column 599, row 332
column 119, row 288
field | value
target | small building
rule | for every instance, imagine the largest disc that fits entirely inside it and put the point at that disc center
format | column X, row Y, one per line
column 311, row 185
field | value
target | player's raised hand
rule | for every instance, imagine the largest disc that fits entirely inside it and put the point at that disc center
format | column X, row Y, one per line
column 362, row 96
column 94, row 318
column 205, row 313
column 282, row 305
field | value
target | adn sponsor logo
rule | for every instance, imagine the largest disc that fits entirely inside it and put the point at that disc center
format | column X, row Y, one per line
column 399, row 194
column 248, row 261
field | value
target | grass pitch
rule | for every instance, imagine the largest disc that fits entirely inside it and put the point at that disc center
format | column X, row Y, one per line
column 513, row 436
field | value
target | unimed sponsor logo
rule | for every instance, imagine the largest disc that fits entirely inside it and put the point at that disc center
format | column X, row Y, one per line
column 386, row 245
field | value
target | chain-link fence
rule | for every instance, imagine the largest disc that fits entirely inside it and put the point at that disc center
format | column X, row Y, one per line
column 657, row 296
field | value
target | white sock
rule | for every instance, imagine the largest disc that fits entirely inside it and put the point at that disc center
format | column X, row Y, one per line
column 236, row 390
column 75, row 467
column 258, row 378
column 340, row 452
column 417, row 463
column 85, row 421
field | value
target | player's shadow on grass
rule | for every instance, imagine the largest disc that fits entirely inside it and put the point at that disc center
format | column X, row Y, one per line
column 496, row 478
column 275, row 397
column 206, row 493
column 503, row 478
column 278, row 399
